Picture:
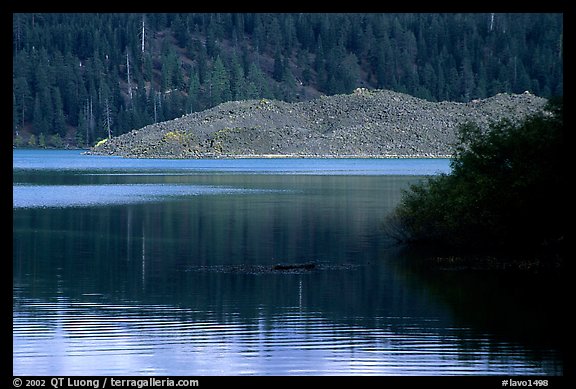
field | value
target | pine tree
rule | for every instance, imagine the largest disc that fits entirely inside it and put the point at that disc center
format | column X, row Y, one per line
column 238, row 84
column 257, row 79
column 21, row 102
column 193, row 100
column 59, row 125
column 279, row 67
column 219, row 83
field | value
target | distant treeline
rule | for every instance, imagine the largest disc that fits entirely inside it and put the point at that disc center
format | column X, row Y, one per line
column 78, row 78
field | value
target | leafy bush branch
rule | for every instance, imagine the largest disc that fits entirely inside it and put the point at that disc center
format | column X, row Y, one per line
column 506, row 190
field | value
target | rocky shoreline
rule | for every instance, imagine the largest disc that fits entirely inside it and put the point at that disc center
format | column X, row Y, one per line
column 364, row 124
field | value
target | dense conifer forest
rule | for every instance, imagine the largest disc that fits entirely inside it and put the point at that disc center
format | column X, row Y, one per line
column 79, row 78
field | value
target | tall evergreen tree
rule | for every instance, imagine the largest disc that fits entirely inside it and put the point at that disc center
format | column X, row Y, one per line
column 219, row 83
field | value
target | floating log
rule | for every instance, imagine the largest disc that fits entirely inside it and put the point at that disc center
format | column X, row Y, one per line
column 294, row 266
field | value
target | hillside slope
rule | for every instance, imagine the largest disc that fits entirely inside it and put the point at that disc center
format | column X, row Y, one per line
column 79, row 76
column 377, row 123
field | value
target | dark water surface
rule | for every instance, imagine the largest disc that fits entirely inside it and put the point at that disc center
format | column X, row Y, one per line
column 164, row 267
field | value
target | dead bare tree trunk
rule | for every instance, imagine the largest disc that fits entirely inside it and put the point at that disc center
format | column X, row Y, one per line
column 107, row 118
column 91, row 120
column 128, row 74
column 143, row 35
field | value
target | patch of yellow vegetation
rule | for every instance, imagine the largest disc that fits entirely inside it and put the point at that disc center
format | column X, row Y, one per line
column 100, row 143
column 174, row 136
column 223, row 131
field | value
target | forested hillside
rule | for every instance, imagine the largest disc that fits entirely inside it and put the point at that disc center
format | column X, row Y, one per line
column 78, row 78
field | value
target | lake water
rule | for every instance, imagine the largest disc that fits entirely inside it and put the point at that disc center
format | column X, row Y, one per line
column 165, row 267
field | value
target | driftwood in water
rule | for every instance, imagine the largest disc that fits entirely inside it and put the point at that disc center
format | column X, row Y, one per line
column 283, row 268
column 294, row 266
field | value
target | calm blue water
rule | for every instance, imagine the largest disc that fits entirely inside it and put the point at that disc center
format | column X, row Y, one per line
column 165, row 267
column 74, row 160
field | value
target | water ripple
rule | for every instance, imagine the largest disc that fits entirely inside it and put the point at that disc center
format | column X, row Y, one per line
column 49, row 196
column 126, row 340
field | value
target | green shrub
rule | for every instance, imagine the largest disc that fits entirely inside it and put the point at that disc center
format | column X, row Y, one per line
column 32, row 141
column 42, row 140
column 18, row 141
column 56, row 141
column 505, row 190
